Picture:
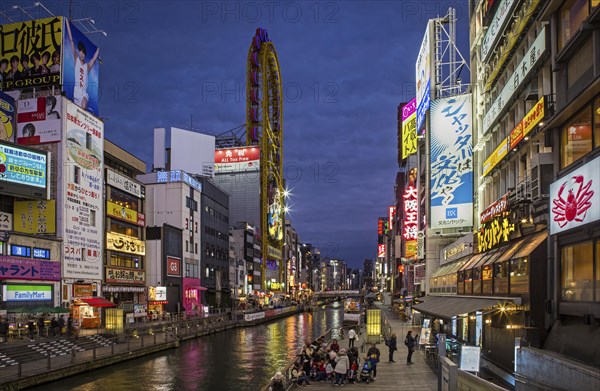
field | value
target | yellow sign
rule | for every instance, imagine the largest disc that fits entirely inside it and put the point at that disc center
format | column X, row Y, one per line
column 533, row 117
column 121, row 212
column 124, row 243
column 409, row 135
column 494, row 233
column 411, row 248
column 496, row 157
column 35, row 217
column 274, row 253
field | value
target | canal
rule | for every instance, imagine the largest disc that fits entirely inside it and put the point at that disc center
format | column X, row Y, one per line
column 238, row 359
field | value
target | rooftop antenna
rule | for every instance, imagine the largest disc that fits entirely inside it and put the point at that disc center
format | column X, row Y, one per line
column 449, row 62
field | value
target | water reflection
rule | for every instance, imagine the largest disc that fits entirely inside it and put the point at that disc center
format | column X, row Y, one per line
column 240, row 359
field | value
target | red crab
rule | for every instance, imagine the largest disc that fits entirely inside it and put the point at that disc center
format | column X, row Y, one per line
column 576, row 204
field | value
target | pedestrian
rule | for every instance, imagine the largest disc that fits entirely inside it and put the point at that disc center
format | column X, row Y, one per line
column 69, row 326
column 392, row 346
column 41, row 325
column 31, row 329
column 335, row 346
column 54, row 327
column 3, row 330
column 411, row 343
column 374, row 355
column 341, row 367
column 298, row 375
column 61, row 325
column 277, row 382
column 351, row 338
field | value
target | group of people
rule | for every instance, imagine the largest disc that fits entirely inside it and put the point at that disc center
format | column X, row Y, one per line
column 37, row 327
column 319, row 361
column 37, row 64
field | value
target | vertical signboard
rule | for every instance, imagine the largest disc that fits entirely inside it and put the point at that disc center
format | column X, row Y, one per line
column 8, row 116
column 409, row 128
column 423, row 75
column 80, row 68
column 83, row 212
column 451, row 181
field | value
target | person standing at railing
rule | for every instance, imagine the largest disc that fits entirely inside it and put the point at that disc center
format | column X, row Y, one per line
column 392, row 346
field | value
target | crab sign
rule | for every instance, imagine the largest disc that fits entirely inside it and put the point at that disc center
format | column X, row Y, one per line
column 577, row 201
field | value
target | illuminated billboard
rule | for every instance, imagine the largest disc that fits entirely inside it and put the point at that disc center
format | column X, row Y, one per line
column 80, row 69
column 575, row 198
column 32, row 50
column 39, row 120
column 409, row 128
column 239, row 159
column 83, row 212
column 451, row 181
column 423, row 75
column 8, row 117
column 23, row 171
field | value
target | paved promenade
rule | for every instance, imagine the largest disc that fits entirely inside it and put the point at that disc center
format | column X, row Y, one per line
column 396, row 376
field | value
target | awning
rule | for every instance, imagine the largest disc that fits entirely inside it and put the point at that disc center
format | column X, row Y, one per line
column 197, row 287
column 533, row 242
column 447, row 307
column 474, row 259
column 98, row 302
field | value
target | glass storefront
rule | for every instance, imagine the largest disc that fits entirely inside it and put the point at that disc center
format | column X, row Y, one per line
column 577, row 271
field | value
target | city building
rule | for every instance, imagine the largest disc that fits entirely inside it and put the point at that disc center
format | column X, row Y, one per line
column 124, row 281
column 173, row 241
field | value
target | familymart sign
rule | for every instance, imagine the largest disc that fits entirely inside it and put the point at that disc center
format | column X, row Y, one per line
column 27, row 292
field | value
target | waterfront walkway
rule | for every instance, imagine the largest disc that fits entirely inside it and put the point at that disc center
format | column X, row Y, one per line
column 396, row 375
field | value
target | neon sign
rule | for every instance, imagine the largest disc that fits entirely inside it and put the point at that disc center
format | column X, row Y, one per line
column 411, row 208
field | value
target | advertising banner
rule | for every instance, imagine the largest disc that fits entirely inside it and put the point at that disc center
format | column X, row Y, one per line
column 82, row 290
column 124, row 243
column 8, row 116
column 122, row 213
column 35, row 217
column 381, row 250
column 80, row 69
column 533, row 117
column 121, row 182
column 494, row 31
column 23, row 166
column 157, row 293
column 27, row 292
column 39, row 120
column 423, row 75
column 240, row 159
column 451, row 182
column 31, row 50
column 125, row 276
column 16, row 268
column 83, row 212
column 409, row 129
column 496, row 157
column 575, row 198
column 529, row 62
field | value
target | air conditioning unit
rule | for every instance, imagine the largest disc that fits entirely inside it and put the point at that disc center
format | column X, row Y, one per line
column 542, row 174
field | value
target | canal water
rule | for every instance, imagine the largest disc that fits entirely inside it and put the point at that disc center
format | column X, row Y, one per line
column 241, row 359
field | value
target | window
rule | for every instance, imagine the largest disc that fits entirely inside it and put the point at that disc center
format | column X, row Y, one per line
column 570, row 17
column 577, row 272
column 476, row 280
column 124, row 228
column 519, row 275
column 576, row 137
column 581, row 66
column 501, row 277
column 468, row 281
column 461, row 285
column 486, row 276
column 77, row 174
column 126, row 260
column 124, row 199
